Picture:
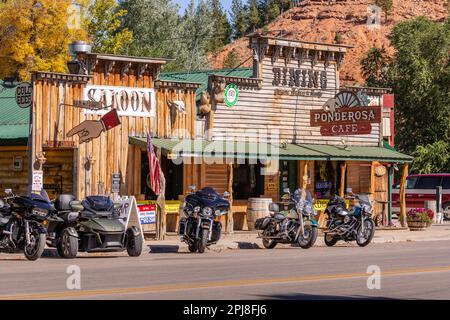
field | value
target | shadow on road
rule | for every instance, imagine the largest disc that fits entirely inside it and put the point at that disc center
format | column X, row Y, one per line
column 305, row 296
column 163, row 248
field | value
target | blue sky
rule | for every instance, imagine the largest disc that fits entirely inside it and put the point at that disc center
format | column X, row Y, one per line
column 226, row 4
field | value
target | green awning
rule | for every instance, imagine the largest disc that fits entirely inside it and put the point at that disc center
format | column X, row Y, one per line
column 175, row 148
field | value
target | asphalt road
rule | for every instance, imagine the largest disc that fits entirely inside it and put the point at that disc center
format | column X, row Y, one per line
column 419, row 270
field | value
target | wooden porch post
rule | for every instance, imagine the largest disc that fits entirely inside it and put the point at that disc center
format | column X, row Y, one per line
column 230, row 219
column 161, row 202
column 372, row 179
column 343, row 176
column 403, row 196
column 305, row 179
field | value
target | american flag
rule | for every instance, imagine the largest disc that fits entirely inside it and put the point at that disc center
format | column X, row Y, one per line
column 155, row 174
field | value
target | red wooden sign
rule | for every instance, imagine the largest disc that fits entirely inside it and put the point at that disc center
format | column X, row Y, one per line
column 353, row 115
column 346, row 129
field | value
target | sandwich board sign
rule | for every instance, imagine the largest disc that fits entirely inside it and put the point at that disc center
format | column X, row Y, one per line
column 129, row 213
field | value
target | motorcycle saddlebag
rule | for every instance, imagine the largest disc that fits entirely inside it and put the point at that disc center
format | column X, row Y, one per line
column 99, row 203
column 216, row 231
column 182, row 226
column 261, row 224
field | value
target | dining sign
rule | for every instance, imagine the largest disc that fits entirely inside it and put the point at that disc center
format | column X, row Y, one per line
column 346, row 121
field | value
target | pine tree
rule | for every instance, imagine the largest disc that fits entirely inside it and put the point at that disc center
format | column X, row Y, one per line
column 231, row 61
column 273, row 10
column 254, row 18
column 238, row 18
column 34, row 36
column 155, row 27
column 222, row 27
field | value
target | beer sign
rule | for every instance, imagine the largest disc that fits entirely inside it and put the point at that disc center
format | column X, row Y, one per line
column 24, row 95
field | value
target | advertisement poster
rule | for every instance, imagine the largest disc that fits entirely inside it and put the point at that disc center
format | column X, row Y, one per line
column 147, row 213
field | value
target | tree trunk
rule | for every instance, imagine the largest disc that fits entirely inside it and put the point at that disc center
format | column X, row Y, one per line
column 403, row 196
column 230, row 220
column 161, row 202
column 343, row 176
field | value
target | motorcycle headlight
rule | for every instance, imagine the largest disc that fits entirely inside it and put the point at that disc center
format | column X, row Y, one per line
column 207, row 211
column 40, row 212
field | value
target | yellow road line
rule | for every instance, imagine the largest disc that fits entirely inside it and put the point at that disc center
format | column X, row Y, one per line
column 213, row 284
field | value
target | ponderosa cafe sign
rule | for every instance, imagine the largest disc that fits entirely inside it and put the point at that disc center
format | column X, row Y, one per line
column 346, row 120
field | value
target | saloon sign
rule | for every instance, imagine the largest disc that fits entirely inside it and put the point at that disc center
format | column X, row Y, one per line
column 127, row 101
column 346, row 121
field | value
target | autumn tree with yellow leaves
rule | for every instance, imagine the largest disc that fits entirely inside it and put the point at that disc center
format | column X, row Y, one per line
column 34, row 35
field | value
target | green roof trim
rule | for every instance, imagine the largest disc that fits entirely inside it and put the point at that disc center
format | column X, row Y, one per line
column 202, row 76
column 265, row 151
column 14, row 121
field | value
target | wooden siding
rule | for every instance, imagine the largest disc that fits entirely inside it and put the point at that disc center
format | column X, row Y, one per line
column 9, row 178
column 95, row 161
column 262, row 110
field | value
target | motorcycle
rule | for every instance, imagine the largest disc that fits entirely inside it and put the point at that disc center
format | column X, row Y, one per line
column 349, row 225
column 21, row 224
column 202, row 227
column 296, row 225
column 93, row 225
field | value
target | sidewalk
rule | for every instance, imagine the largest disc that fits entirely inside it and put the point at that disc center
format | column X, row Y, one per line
column 250, row 240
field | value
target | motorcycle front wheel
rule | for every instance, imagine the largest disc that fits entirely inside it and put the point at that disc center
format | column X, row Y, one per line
column 363, row 238
column 34, row 250
column 203, row 241
column 309, row 237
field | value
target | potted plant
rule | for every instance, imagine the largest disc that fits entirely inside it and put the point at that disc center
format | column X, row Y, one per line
column 419, row 218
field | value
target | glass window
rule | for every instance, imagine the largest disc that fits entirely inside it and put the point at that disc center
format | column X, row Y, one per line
column 428, row 182
column 446, row 183
column 410, row 182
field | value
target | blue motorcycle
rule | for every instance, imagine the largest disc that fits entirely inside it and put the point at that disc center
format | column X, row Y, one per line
column 202, row 227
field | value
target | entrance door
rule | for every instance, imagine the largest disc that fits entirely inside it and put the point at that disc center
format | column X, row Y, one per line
column 58, row 172
column 288, row 176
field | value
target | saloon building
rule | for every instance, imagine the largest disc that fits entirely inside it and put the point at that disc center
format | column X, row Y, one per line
column 285, row 123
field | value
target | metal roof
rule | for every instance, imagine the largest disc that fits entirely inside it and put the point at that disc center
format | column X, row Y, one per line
column 14, row 121
column 266, row 151
column 202, row 76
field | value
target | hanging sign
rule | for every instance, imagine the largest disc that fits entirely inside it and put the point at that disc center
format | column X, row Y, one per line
column 24, row 95
column 346, row 120
column 231, row 95
column 38, row 181
column 115, row 182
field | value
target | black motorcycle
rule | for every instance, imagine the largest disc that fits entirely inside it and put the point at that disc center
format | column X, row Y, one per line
column 21, row 224
column 202, row 227
column 349, row 225
column 295, row 225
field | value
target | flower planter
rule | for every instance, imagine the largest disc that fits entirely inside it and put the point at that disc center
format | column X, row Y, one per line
column 419, row 219
column 417, row 225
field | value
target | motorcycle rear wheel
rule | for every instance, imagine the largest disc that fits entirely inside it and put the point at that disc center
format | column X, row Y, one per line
column 308, row 239
column 34, row 252
column 67, row 245
column 269, row 243
column 369, row 232
column 330, row 240
column 134, row 244
column 203, row 241
column 192, row 247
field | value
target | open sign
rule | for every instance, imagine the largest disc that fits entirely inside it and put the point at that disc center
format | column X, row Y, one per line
column 24, row 95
